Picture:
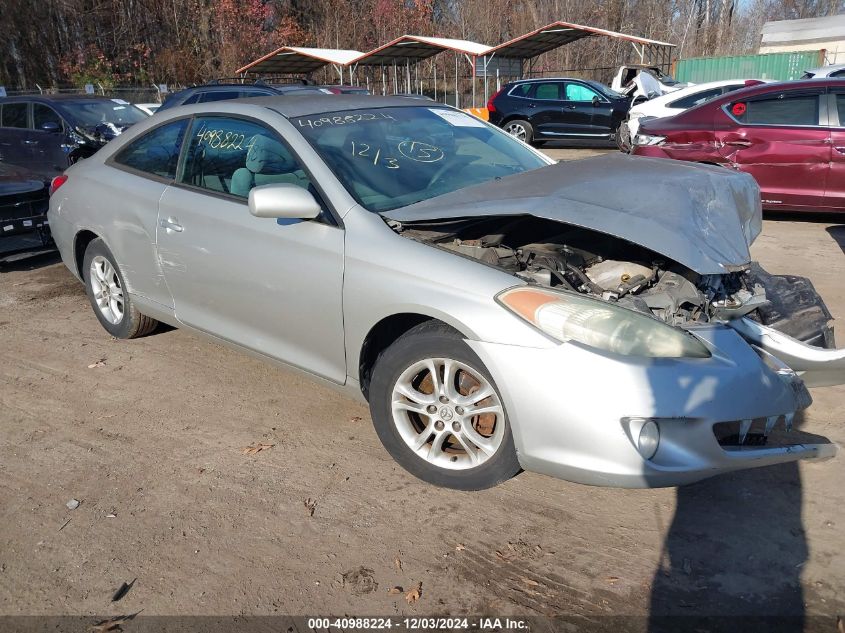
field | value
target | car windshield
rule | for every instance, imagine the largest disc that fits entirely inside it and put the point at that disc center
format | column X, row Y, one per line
column 392, row 157
column 605, row 90
column 94, row 112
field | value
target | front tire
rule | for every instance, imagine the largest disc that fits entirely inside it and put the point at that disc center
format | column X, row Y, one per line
column 109, row 296
column 438, row 412
column 520, row 129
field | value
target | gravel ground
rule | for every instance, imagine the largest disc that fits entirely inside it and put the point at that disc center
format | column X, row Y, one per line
column 149, row 436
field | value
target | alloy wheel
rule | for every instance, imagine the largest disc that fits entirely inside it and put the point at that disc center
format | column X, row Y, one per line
column 105, row 285
column 448, row 413
column 518, row 130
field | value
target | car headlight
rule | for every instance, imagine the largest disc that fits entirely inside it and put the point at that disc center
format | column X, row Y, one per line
column 648, row 139
column 595, row 323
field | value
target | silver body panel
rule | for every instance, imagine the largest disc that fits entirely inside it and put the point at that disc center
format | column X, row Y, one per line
column 306, row 294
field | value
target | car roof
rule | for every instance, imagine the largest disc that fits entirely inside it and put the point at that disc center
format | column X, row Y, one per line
column 58, row 98
column 526, row 81
column 825, row 69
column 291, row 106
column 803, row 84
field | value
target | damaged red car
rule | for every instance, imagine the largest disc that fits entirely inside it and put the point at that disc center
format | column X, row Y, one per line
column 789, row 136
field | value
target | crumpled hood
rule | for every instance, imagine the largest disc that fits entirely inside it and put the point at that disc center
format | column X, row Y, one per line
column 700, row 216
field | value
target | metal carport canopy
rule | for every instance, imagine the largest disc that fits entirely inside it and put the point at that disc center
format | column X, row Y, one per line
column 297, row 59
column 416, row 48
column 557, row 34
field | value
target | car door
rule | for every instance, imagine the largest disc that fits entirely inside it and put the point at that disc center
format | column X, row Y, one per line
column 546, row 108
column 587, row 112
column 777, row 137
column 48, row 156
column 835, row 190
column 14, row 128
column 272, row 286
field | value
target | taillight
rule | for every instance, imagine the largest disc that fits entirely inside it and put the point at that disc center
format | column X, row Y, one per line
column 57, row 182
column 490, row 106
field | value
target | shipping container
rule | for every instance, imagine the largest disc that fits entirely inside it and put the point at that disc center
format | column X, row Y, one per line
column 775, row 66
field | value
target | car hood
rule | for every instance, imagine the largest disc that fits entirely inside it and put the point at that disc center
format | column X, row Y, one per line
column 702, row 217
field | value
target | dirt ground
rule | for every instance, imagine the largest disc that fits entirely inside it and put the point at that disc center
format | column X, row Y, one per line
column 148, row 435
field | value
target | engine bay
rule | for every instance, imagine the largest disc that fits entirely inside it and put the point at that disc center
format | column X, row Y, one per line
column 566, row 257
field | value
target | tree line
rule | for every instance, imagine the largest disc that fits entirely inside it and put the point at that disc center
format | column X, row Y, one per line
column 137, row 42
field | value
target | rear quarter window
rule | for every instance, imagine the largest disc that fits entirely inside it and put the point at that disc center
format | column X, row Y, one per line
column 157, row 151
column 520, row 90
column 696, row 99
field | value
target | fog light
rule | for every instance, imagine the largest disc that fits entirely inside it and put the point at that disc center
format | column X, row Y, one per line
column 649, row 439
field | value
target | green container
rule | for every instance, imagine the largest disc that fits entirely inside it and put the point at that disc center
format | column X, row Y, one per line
column 775, row 66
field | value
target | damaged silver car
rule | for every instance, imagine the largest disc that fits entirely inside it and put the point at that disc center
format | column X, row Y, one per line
column 599, row 321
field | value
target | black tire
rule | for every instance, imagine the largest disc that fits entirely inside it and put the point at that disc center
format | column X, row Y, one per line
column 132, row 324
column 538, row 143
column 434, row 340
column 529, row 130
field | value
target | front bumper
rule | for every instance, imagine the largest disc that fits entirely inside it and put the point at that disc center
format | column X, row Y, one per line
column 567, row 406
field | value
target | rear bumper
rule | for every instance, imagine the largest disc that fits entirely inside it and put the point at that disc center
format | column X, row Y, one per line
column 576, row 413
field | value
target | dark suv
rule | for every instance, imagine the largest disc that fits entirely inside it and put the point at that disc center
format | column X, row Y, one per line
column 48, row 133
column 538, row 110
column 219, row 90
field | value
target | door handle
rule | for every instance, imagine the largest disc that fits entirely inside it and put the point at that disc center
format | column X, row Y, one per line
column 841, row 150
column 171, row 224
column 532, row 105
column 738, row 143
column 30, row 142
column 569, row 107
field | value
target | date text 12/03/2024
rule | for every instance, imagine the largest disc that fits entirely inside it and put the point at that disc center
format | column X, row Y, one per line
column 418, row 623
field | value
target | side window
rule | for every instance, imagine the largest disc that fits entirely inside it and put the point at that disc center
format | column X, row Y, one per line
column 14, row 115
column 156, row 152
column 547, row 91
column 219, row 95
column 229, row 155
column 42, row 114
column 579, row 92
column 838, row 73
column 697, row 99
column 779, row 109
column 520, row 90
column 246, row 94
column 194, row 98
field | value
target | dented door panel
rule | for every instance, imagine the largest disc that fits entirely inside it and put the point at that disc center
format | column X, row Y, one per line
column 790, row 164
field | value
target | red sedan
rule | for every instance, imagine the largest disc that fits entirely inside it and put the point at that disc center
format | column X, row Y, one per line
column 790, row 136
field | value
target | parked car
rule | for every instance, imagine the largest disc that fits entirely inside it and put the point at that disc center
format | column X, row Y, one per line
column 24, row 202
column 539, row 110
column 640, row 82
column 790, row 136
column 46, row 133
column 833, row 70
column 676, row 102
column 481, row 297
column 219, row 90
column 149, row 108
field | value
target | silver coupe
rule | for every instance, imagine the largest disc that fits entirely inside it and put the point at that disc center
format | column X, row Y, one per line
column 599, row 321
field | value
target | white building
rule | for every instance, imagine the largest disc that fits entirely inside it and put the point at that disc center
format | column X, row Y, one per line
column 784, row 36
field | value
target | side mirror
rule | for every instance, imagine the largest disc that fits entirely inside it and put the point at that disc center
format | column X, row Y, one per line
column 596, row 100
column 50, row 126
column 283, row 200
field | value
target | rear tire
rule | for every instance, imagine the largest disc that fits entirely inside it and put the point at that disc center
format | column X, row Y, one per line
column 520, row 129
column 458, row 439
column 109, row 297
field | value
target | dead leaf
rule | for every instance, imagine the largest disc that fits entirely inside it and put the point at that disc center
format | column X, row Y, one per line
column 529, row 582
column 397, row 564
column 310, row 505
column 501, row 556
column 460, row 547
column 612, row 579
column 414, row 594
column 355, row 418
column 257, row 447
column 395, row 590
column 840, row 624
column 99, row 363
